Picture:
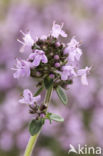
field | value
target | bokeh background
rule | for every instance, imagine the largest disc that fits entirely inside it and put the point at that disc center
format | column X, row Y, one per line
column 84, row 113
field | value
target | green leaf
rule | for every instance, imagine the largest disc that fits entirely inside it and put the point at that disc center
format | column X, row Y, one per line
column 48, row 95
column 56, row 117
column 38, row 91
column 48, row 82
column 35, row 126
column 62, row 95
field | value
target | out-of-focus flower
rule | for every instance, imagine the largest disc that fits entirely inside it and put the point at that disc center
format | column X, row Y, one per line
column 73, row 50
column 22, row 69
column 47, row 152
column 22, row 139
column 28, row 41
column 68, row 72
column 57, row 30
column 83, row 73
column 6, row 141
column 37, row 57
column 28, row 97
column 6, row 80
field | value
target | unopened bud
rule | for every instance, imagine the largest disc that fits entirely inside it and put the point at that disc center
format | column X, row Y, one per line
column 52, row 76
column 57, row 65
column 42, row 115
column 57, row 44
column 56, row 57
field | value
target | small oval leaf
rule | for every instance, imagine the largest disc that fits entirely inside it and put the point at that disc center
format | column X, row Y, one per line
column 56, row 117
column 35, row 126
column 62, row 95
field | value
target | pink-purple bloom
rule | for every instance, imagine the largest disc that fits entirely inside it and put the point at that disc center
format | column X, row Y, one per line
column 37, row 57
column 27, row 41
column 57, row 30
column 22, row 69
column 28, row 97
column 73, row 50
column 68, row 72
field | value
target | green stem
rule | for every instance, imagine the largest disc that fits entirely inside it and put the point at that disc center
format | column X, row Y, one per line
column 31, row 145
column 33, row 139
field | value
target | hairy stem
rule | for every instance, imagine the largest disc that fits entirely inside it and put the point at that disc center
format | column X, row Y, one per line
column 33, row 139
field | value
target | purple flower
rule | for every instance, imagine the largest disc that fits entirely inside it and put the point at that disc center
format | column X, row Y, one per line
column 83, row 73
column 37, row 57
column 28, row 97
column 22, row 69
column 57, row 30
column 28, row 41
column 68, row 72
column 73, row 50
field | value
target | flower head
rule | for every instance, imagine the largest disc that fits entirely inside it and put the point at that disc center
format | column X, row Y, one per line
column 57, row 30
column 22, row 69
column 28, row 98
column 83, row 73
column 51, row 59
column 37, row 57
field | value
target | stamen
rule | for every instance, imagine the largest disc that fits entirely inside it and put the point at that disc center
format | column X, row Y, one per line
column 22, row 32
column 20, row 41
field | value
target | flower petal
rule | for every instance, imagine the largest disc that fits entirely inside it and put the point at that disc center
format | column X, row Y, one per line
column 44, row 59
column 36, row 61
column 84, row 80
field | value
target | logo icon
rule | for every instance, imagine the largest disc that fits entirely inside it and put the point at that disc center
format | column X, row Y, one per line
column 72, row 149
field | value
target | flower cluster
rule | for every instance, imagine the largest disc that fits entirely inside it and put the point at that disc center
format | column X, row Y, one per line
column 51, row 58
column 50, row 61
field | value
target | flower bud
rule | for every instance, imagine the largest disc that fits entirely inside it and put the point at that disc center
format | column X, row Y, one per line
column 57, row 44
column 57, row 65
column 42, row 115
column 56, row 57
column 52, row 76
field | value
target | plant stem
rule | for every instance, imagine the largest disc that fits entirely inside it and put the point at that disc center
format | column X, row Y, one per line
column 31, row 145
column 33, row 139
